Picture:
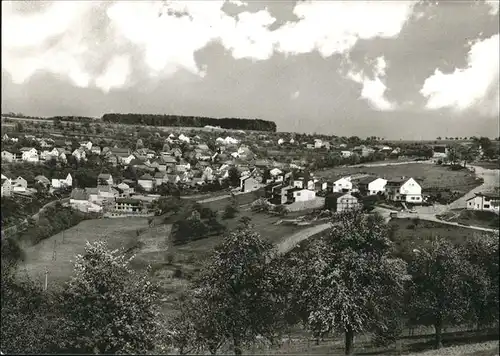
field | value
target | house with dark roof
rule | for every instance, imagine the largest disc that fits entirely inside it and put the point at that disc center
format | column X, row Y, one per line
column 488, row 201
column 104, row 179
column 338, row 202
column 403, row 189
column 42, row 180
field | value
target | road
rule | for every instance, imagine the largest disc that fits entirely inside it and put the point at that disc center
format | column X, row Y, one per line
column 491, row 179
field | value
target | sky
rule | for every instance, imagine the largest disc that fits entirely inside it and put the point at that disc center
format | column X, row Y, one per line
column 394, row 69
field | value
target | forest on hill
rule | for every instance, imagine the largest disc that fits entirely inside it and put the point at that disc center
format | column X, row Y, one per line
column 190, row 121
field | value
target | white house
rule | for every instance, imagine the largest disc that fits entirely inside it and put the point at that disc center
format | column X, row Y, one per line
column 6, row 186
column 19, row 185
column 342, row 185
column 184, row 138
column 62, row 183
column 484, row 202
column 346, row 154
column 248, row 184
column 126, row 160
column 86, row 145
column 372, row 185
column 29, row 154
column 146, row 182
column 79, row 154
column 281, row 141
column 318, row 143
column 302, row 194
column 275, row 172
column 404, row 189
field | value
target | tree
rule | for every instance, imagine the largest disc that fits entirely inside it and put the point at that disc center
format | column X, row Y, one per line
column 350, row 282
column 440, row 288
column 234, row 177
column 482, row 253
column 107, row 307
column 235, row 292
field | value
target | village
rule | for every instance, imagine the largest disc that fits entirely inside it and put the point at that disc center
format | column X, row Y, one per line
column 231, row 167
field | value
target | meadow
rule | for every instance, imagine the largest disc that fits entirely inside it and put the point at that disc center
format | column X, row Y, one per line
column 428, row 175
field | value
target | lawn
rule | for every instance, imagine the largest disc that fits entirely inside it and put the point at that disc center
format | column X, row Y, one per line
column 117, row 232
column 477, row 218
column 429, row 175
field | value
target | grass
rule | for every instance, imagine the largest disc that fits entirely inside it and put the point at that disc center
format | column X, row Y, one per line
column 477, row 218
column 428, row 175
column 67, row 244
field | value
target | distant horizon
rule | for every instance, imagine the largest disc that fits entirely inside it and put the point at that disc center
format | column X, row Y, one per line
column 277, row 131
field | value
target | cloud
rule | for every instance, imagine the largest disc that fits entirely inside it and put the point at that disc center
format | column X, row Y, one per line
column 332, row 27
column 373, row 90
column 115, row 75
column 494, row 6
column 75, row 39
column 475, row 87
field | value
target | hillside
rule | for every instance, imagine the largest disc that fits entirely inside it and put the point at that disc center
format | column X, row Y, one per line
column 190, row 121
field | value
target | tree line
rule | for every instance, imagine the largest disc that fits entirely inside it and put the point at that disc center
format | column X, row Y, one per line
column 350, row 281
column 190, row 121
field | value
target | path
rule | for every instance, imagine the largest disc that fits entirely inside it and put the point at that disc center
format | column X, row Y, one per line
column 293, row 240
column 34, row 216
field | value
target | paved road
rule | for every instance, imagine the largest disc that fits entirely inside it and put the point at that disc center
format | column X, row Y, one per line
column 491, row 180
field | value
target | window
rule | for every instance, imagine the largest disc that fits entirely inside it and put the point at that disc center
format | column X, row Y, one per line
column 486, row 199
column 413, row 198
column 298, row 194
column 486, row 206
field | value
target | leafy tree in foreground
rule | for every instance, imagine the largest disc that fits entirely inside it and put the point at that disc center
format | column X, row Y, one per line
column 482, row 253
column 350, row 283
column 235, row 299
column 107, row 307
column 440, row 291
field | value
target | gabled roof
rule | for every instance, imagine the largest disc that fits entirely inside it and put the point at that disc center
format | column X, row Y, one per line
column 146, row 176
column 105, row 176
column 397, row 180
column 336, row 195
column 159, row 174
column 367, row 180
column 492, row 195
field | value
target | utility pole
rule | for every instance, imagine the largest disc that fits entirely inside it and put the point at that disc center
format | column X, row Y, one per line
column 46, row 278
column 54, row 253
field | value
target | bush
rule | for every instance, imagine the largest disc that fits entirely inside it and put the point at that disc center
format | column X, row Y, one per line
column 386, row 337
column 229, row 212
column 170, row 258
column 411, row 227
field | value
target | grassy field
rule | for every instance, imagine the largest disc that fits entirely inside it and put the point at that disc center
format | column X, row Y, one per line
column 428, row 175
column 117, row 232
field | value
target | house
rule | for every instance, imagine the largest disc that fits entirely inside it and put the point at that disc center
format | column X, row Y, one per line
column 125, row 160
column 42, row 180
column 320, row 185
column 278, row 193
column 184, row 138
column 169, row 160
column 6, row 187
column 281, row 141
column 29, row 154
column 125, row 188
column 342, row 185
column 159, row 164
column 341, row 201
column 372, row 185
column 96, row 150
column 318, row 143
column 146, row 182
column 19, row 184
column 7, row 156
column 78, row 197
column 298, row 194
column 129, row 206
column 62, row 183
column 176, row 152
column 79, row 154
column 484, row 202
column 248, row 184
column 310, row 146
column 440, row 152
column 104, row 179
column 404, row 189
column 345, row 154
column 160, row 178
column 173, row 178
column 275, row 172
column 86, row 145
